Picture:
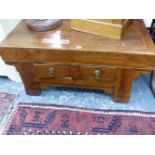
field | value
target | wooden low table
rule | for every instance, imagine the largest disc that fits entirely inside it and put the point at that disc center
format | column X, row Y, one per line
column 65, row 57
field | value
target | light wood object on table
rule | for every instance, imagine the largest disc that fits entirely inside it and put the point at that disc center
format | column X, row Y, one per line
column 110, row 28
column 68, row 58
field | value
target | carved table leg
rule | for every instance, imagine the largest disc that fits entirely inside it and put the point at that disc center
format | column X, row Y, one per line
column 28, row 76
column 123, row 85
column 152, row 82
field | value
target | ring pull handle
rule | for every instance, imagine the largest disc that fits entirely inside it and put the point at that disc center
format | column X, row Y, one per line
column 51, row 71
column 97, row 73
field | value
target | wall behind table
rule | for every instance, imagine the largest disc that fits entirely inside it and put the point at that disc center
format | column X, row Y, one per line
column 6, row 26
column 148, row 22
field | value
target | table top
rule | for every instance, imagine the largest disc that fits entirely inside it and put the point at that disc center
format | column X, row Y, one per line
column 136, row 40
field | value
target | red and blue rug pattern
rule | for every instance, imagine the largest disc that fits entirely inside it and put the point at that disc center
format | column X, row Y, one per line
column 57, row 120
column 6, row 100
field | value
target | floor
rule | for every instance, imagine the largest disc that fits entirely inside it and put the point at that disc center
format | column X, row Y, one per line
column 141, row 97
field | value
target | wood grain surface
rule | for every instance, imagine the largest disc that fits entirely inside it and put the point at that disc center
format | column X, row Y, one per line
column 80, row 59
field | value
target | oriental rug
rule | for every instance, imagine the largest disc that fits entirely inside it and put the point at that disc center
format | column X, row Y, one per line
column 6, row 100
column 39, row 119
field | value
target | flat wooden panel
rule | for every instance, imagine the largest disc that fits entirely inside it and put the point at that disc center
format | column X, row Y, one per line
column 42, row 70
column 134, row 60
column 119, row 21
column 99, row 28
column 84, row 83
column 136, row 40
column 45, row 85
column 87, row 72
column 112, row 21
column 104, row 20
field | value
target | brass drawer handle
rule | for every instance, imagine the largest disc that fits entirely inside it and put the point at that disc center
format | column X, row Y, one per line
column 51, row 71
column 97, row 73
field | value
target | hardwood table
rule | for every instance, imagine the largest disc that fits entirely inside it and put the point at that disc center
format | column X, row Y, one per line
column 69, row 58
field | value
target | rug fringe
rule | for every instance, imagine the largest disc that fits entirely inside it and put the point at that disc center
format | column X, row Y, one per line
column 99, row 111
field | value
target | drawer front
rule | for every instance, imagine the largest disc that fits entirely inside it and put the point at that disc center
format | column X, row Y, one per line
column 74, row 75
column 51, row 70
column 96, row 73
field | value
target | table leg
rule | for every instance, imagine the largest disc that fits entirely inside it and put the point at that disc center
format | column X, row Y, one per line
column 28, row 76
column 123, row 85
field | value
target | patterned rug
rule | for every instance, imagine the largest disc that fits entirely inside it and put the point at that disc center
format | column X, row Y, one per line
column 56, row 120
column 5, row 103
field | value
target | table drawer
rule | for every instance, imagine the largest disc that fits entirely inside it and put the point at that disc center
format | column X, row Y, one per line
column 97, row 73
column 51, row 70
